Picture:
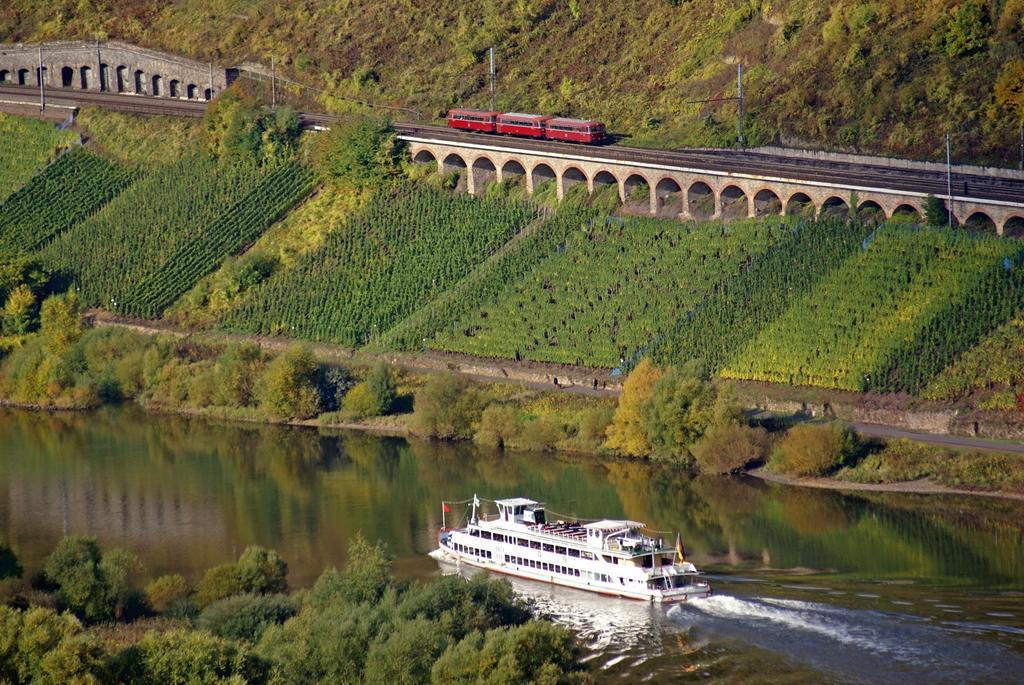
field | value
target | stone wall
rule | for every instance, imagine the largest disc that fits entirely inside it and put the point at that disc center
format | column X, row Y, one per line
column 111, row 67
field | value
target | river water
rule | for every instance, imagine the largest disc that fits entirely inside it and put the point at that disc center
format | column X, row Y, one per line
column 810, row 586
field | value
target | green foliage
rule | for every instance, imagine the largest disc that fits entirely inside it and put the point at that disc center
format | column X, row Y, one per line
column 627, row 433
column 9, row 566
column 730, row 448
column 966, row 29
column 541, row 434
column 935, row 213
column 813, row 449
column 382, row 389
column 219, row 582
column 29, row 144
column 120, row 570
column 445, row 407
column 678, row 412
column 262, row 571
column 485, row 283
column 165, row 591
column 892, row 316
column 195, row 657
column 170, row 228
column 758, row 294
column 1010, row 87
column 405, row 655
column 65, row 193
column 38, row 645
column 245, row 617
column 997, row 360
column 288, row 386
column 139, row 141
column 499, row 425
column 75, row 568
column 409, row 245
column 604, row 294
column 238, row 128
column 362, row 151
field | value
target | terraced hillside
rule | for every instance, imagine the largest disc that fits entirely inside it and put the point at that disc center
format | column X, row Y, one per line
column 27, row 146
column 610, row 289
column 65, row 193
column 409, row 245
column 884, row 77
column 893, row 315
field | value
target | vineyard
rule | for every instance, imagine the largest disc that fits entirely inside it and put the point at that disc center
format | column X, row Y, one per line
column 28, row 144
column 65, row 193
column 169, row 228
column 720, row 327
column 408, row 246
column 611, row 287
column 891, row 316
column 998, row 360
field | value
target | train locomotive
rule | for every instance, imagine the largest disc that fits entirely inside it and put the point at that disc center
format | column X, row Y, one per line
column 541, row 126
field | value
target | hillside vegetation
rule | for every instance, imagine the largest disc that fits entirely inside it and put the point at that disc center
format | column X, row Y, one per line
column 28, row 145
column 886, row 77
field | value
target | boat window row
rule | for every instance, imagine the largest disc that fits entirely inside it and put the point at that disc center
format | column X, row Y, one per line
column 542, row 566
column 466, row 549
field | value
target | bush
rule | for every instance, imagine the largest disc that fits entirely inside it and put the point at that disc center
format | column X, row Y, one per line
column 678, row 412
column 359, row 150
column 39, row 645
column 219, row 582
column 592, row 425
column 381, row 383
column 405, row 655
column 541, row 435
column 9, row 566
column 499, row 425
column 813, row 449
column 360, row 403
column 626, row 432
column 262, row 570
column 195, row 657
column 288, row 387
column 166, row 590
column 74, row 567
column 730, row 448
column 245, row 617
column 445, row 407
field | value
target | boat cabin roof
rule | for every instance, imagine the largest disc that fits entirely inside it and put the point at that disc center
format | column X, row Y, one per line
column 613, row 525
column 516, row 502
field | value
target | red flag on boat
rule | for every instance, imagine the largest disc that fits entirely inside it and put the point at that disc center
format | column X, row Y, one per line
column 446, row 508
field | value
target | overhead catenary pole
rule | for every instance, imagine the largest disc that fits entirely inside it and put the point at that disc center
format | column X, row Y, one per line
column 949, row 184
column 1021, row 163
column 494, row 84
column 211, row 80
column 273, row 87
column 742, row 109
column 42, row 96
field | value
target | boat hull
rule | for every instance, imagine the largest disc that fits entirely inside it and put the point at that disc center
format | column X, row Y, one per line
column 447, row 555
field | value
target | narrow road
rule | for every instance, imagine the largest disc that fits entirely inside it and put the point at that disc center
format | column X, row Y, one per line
column 953, row 441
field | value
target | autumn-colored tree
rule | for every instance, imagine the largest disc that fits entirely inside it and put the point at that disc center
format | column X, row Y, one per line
column 1010, row 87
column 626, row 432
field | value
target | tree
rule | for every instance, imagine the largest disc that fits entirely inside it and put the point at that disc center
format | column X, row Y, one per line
column 236, row 373
column 237, row 128
column 626, row 432
column 165, row 591
column 813, row 449
column 363, row 151
column 194, row 656
column 679, row 410
column 730, row 448
column 445, row 407
column 74, row 567
column 966, row 29
column 120, row 570
column 61, row 324
column 245, row 617
column 262, row 571
column 288, row 386
column 935, row 211
column 39, row 645
column 9, row 566
column 405, row 655
column 499, row 424
column 219, row 582
column 18, row 311
column 1010, row 87
column 381, row 382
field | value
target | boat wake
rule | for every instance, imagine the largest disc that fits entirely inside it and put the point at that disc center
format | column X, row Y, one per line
column 875, row 646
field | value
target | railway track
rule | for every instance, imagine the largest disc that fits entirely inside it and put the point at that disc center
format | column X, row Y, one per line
column 975, row 186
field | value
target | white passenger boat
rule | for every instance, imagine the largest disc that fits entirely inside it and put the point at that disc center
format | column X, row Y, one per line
column 611, row 557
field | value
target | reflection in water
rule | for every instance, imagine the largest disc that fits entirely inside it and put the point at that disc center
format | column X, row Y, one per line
column 187, row 494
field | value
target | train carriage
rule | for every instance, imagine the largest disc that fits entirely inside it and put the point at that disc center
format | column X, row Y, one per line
column 480, row 120
column 516, row 124
column 574, row 130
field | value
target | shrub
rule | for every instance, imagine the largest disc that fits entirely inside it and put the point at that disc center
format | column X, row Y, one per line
column 262, row 570
column 360, row 150
column 541, row 435
column 245, row 617
column 360, row 403
column 678, row 412
column 166, row 590
column 813, row 449
column 405, row 655
column 626, row 432
column 120, row 569
column 730, row 448
column 219, row 582
column 592, row 425
column 367, row 574
column 499, row 425
column 9, row 566
column 288, row 386
column 445, row 407
column 74, row 567
column 381, row 383
column 39, row 645
column 196, row 657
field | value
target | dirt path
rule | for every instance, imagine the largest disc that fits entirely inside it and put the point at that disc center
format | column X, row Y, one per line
column 922, row 486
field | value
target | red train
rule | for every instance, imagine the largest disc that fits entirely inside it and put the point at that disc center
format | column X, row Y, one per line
column 527, row 125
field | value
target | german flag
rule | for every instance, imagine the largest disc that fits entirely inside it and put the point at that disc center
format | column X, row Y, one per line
column 679, row 550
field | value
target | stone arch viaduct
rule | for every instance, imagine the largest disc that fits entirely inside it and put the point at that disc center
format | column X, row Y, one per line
column 660, row 184
column 110, row 67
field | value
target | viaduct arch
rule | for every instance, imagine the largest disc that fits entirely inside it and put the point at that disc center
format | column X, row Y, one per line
column 111, row 67
column 689, row 194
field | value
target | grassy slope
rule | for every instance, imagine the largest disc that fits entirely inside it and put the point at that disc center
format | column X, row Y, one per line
column 26, row 145
column 878, row 76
